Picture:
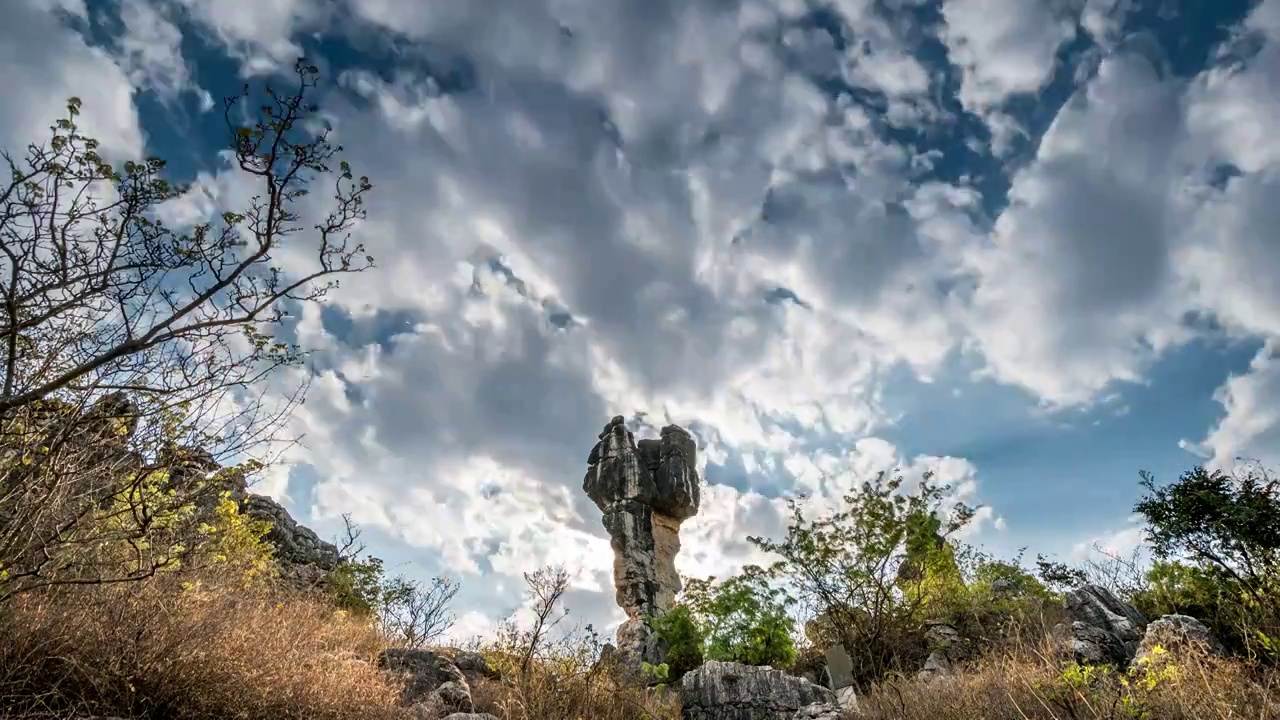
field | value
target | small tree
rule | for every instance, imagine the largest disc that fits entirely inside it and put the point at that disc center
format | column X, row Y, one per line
column 129, row 350
column 413, row 613
column 744, row 619
column 685, row 638
column 546, row 587
column 1229, row 524
column 1216, row 537
column 870, row 570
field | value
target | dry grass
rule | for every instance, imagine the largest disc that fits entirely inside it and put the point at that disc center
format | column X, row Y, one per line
column 157, row 650
column 567, row 683
column 1035, row 684
column 548, row 696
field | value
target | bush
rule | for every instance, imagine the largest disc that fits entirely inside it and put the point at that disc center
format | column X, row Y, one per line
column 1002, row 606
column 1216, row 538
column 873, row 571
column 685, row 640
column 236, row 546
column 1245, row 627
column 547, row 674
column 743, row 619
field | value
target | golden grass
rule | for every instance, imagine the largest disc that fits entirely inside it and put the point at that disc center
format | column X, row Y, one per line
column 566, row 683
column 1035, row 684
column 157, row 650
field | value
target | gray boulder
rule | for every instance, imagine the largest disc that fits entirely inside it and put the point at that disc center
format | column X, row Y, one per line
column 430, row 679
column 1094, row 646
column 1178, row 634
column 730, row 691
column 947, row 648
column 473, row 665
column 1098, row 608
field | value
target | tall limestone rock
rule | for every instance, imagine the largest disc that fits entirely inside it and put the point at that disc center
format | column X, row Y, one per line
column 645, row 491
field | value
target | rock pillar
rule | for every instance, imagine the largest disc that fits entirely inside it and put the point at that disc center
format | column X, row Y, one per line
column 645, row 491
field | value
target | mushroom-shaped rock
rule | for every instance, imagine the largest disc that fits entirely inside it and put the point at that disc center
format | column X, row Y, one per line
column 645, row 491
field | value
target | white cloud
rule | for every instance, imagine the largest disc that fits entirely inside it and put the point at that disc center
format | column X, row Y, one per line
column 598, row 225
column 1121, row 543
column 1004, row 47
column 260, row 33
column 1232, row 113
column 1078, row 288
column 1250, row 427
column 45, row 64
column 151, row 52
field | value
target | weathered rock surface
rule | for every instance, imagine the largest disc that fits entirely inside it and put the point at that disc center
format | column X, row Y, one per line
column 1178, row 634
column 729, row 691
column 820, row 711
column 1092, row 645
column 430, row 679
column 304, row 558
column 947, row 648
column 293, row 543
column 473, row 665
column 1094, row 608
column 645, row 490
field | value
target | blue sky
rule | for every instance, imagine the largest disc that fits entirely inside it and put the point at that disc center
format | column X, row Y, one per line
column 1025, row 244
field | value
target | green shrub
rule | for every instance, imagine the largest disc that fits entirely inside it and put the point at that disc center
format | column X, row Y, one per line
column 237, row 543
column 874, row 570
column 684, row 637
column 1216, row 539
column 357, row 585
column 743, row 619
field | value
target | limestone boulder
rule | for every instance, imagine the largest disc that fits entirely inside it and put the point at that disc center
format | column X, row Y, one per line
column 820, row 711
column 430, row 679
column 473, row 665
column 730, row 691
column 1094, row 608
column 1178, row 634
column 1091, row 645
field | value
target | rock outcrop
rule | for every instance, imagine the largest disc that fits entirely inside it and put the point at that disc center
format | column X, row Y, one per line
column 729, row 691
column 1091, row 645
column 303, row 558
column 434, row 687
column 645, row 490
column 1104, row 628
column 1178, row 634
column 472, row 664
column 947, row 649
column 292, row 542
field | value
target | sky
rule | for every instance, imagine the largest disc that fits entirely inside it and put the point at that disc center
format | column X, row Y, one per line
column 1026, row 245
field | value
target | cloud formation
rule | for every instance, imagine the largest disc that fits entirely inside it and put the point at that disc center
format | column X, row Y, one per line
column 751, row 218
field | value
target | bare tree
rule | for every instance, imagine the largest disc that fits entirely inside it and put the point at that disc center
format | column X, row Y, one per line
column 131, row 352
column 349, row 545
column 414, row 614
column 547, row 587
